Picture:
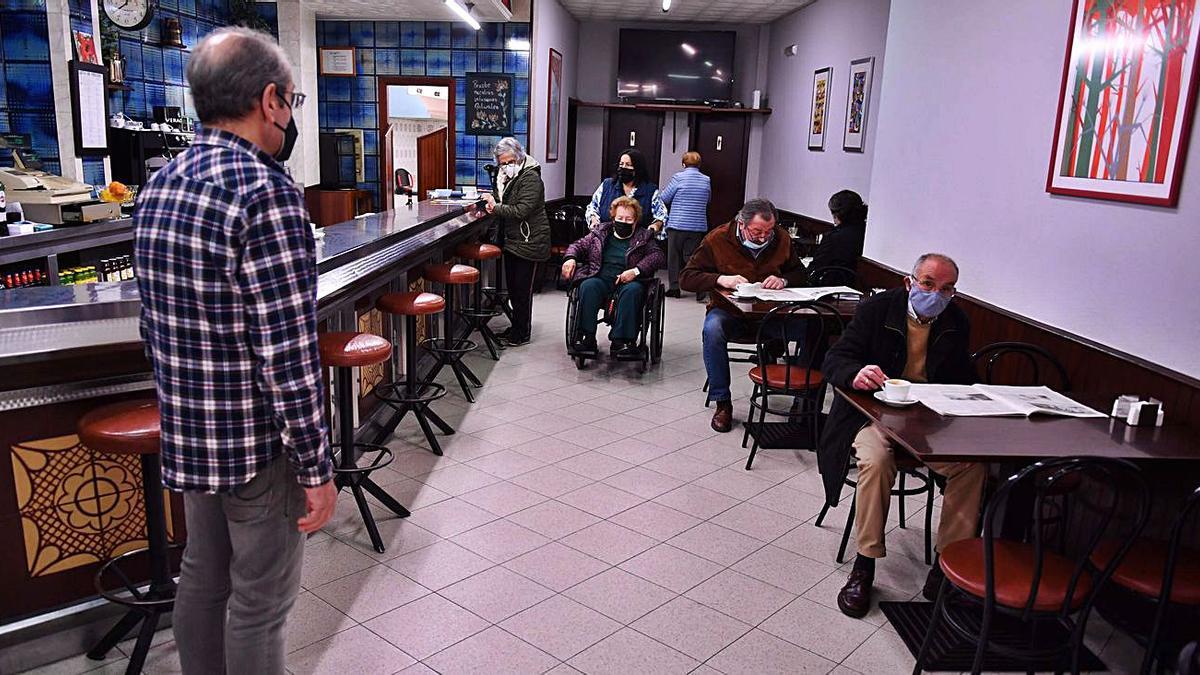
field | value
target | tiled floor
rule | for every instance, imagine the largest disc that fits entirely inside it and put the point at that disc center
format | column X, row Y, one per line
column 592, row 521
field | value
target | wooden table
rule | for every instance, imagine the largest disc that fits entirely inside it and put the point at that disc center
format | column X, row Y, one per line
column 931, row 437
column 757, row 309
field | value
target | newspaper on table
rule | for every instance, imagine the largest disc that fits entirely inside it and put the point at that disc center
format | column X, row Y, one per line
column 985, row 400
column 803, row 294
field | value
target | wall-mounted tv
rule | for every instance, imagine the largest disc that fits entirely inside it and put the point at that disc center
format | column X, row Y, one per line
column 672, row 65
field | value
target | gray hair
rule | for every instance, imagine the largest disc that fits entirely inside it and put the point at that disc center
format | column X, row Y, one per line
column 757, row 207
column 941, row 257
column 230, row 68
column 509, row 144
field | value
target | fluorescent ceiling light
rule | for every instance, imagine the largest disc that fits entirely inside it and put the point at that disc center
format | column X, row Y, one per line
column 463, row 13
column 719, row 72
column 683, row 77
column 666, row 5
column 518, row 44
column 691, row 51
column 708, row 63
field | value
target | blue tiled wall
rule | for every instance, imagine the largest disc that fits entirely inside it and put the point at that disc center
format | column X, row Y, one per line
column 26, row 94
column 422, row 48
column 156, row 73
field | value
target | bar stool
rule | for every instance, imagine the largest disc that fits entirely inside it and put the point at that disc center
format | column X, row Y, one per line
column 448, row 349
column 132, row 428
column 497, row 295
column 413, row 395
column 345, row 351
column 477, row 314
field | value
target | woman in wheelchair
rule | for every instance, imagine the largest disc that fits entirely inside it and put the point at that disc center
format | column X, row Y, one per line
column 611, row 262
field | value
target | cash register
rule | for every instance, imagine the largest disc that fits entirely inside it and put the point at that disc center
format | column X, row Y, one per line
column 47, row 198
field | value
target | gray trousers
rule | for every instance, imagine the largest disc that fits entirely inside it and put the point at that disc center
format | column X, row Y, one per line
column 681, row 244
column 240, row 574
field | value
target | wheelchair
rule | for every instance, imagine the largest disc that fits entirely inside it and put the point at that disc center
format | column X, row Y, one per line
column 650, row 333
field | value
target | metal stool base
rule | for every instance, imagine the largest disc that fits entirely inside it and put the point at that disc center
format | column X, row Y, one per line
column 397, row 397
column 358, row 479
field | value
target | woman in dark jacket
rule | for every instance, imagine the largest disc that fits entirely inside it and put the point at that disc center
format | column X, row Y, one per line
column 631, row 179
column 611, row 261
column 843, row 245
column 521, row 208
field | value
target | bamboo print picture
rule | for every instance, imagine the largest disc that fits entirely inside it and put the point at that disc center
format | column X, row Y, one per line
column 819, row 121
column 1127, row 101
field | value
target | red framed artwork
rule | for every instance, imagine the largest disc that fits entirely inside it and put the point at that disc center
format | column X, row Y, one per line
column 554, row 105
column 1127, row 101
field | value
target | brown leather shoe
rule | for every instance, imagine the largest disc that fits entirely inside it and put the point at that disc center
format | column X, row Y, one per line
column 855, row 597
column 722, row 420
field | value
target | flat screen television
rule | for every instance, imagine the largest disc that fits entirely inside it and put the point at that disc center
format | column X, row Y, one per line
column 674, row 65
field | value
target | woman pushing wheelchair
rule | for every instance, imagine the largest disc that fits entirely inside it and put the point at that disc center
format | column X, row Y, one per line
column 616, row 261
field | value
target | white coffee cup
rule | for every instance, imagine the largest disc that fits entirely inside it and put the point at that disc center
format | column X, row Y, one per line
column 896, row 389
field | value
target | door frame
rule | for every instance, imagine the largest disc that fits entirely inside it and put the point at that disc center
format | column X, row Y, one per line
column 386, row 81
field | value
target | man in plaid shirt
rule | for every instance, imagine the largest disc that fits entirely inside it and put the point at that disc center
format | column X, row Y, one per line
column 228, row 281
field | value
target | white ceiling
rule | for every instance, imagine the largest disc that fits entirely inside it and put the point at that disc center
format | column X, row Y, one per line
column 413, row 10
column 723, row 11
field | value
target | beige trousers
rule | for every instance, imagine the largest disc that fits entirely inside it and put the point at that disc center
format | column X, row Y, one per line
column 877, row 472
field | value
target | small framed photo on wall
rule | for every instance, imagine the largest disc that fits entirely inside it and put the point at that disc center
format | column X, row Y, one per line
column 858, row 99
column 338, row 61
column 818, row 122
column 554, row 105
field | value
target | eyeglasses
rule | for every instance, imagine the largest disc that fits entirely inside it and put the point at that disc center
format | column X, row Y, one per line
column 296, row 102
column 929, row 286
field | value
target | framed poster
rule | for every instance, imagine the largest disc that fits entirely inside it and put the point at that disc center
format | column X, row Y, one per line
column 89, row 101
column 85, row 47
column 819, row 121
column 1127, row 101
column 554, row 106
column 338, row 61
column 858, row 97
column 489, row 104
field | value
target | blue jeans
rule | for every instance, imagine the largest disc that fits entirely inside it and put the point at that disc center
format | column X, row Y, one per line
column 720, row 327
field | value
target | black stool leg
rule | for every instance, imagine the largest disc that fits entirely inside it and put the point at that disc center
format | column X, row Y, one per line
column 429, row 435
column 384, row 498
column 145, row 636
column 481, row 324
column 410, row 383
column 368, row 517
column 115, row 635
column 349, row 460
column 437, row 420
column 448, row 342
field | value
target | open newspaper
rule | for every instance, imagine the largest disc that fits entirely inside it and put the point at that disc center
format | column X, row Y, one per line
column 804, row 294
column 985, row 400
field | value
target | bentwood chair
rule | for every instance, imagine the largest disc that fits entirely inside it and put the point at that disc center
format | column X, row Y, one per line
column 833, row 275
column 1014, row 354
column 990, row 579
column 1170, row 574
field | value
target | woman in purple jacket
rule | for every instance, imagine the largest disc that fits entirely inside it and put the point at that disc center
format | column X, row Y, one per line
column 611, row 261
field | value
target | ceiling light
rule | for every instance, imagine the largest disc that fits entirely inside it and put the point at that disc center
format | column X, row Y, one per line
column 518, row 44
column 719, row 72
column 666, row 5
column 683, row 77
column 463, row 13
column 708, row 63
column 691, row 51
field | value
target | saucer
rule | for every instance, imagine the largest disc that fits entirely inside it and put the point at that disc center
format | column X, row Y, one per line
column 897, row 404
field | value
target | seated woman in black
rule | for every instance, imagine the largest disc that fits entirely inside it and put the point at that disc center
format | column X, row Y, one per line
column 632, row 179
column 842, row 246
column 610, row 260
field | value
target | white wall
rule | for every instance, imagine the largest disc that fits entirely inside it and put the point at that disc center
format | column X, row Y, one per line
column 964, row 140
column 553, row 28
column 828, row 33
column 298, row 38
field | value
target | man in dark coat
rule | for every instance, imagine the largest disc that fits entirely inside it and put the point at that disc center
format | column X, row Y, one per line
column 916, row 334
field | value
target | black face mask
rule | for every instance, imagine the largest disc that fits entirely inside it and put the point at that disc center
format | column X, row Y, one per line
column 290, row 134
column 625, row 175
column 623, row 230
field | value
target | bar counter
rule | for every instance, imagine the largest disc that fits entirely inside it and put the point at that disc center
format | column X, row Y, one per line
column 64, row 350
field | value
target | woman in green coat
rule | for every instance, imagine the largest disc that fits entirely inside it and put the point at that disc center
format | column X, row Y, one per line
column 520, row 206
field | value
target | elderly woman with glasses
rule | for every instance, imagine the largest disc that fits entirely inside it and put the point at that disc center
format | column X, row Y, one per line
column 520, row 205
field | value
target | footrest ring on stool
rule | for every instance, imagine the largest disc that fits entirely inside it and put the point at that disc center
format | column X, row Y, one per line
column 383, row 457
column 480, row 312
column 395, row 393
column 135, row 598
column 449, row 347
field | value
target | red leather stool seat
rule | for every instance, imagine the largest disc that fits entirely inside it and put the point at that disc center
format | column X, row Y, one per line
column 411, row 303
column 1141, row 570
column 777, row 376
column 962, row 562
column 477, row 251
column 352, row 350
column 125, row 428
column 451, row 273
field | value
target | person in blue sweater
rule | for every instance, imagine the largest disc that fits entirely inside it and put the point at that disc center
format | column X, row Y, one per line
column 687, row 196
column 631, row 179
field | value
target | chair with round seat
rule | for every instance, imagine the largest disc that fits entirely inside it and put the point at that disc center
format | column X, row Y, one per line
column 413, row 394
column 132, row 428
column 345, row 351
column 448, row 349
column 477, row 314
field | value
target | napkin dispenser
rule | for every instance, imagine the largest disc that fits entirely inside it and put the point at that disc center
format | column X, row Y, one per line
column 1138, row 413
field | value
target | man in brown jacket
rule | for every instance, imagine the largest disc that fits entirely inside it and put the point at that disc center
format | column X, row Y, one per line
column 751, row 248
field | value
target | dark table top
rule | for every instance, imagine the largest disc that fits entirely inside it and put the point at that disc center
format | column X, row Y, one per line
column 757, row 309
column 931, row 437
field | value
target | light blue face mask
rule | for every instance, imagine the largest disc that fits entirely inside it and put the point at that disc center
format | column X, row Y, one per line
column 927, row 304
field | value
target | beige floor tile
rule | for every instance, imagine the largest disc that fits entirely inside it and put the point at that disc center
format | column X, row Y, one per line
column 818, row 629
column 741, row 597
column 439, row 565
column 691, row 628
column 426, row 626
column 628, row 651
column 356, row 650
column 367, row 594
column 561, row 627
column 496, row 594
column 553, row 519
column 758, row 653
column 556, row 567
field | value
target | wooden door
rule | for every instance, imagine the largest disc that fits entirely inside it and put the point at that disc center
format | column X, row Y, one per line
column 432, row 165
column 641, row 129
column 723, row 143
column 387, row 196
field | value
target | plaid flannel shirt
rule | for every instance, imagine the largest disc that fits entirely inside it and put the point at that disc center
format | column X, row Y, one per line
column 226, row 269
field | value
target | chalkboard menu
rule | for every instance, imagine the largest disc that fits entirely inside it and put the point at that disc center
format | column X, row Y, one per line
column 489, row 104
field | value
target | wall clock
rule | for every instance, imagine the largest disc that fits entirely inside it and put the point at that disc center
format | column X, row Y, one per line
column 129, row 14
